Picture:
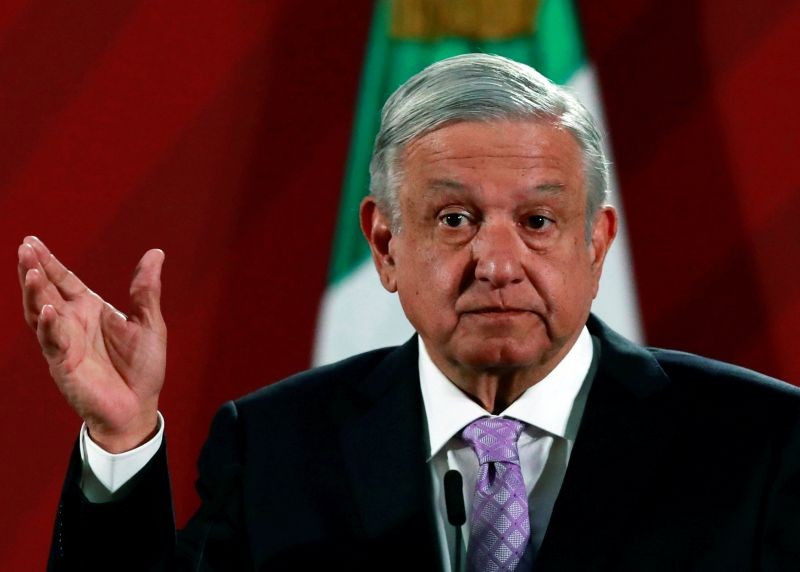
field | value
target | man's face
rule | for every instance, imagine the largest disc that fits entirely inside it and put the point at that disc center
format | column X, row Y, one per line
column 491, row 263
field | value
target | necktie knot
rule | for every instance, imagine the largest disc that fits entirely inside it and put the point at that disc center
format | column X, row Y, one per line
column 494, row 439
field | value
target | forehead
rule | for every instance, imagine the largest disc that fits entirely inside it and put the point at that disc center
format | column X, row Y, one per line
column 507, row 152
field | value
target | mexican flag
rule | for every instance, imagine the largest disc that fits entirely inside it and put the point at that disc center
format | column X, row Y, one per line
column 356, row 313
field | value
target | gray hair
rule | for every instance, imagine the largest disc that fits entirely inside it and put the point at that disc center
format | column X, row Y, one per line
column 479, row 87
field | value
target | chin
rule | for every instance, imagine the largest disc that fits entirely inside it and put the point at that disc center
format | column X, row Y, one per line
column 499, row 354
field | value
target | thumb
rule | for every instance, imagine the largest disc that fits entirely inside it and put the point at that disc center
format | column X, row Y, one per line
column 145, row 290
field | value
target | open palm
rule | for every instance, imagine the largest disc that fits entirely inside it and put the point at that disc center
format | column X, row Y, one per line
column 109, row 367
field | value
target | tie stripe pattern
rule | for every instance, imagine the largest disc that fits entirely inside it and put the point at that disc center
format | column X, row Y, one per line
column 500, row 525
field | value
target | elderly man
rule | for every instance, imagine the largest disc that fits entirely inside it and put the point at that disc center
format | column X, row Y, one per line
column 579, row 450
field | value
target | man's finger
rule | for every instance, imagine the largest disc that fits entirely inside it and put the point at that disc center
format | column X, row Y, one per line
column 28, row 260
column 22, row 267
column 69, row 285
column 118, row 331
column 146, row 289
column 51, row 334
column 37, row 292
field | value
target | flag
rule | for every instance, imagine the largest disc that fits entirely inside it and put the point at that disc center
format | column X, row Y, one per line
column 356, row 313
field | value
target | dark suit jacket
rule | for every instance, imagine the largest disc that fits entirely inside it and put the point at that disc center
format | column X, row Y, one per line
column 680, row 463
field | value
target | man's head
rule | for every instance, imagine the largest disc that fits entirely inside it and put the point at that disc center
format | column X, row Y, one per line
column 486, row 214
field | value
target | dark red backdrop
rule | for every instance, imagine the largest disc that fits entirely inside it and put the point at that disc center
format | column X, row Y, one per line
column 218, row 130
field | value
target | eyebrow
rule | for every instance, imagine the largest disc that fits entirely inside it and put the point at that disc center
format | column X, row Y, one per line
column 549, row 187
column 438, row 184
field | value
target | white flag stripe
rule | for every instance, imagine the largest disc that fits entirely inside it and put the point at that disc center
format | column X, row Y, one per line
column 358, row 315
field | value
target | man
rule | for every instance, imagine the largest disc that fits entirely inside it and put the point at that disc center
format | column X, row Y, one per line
column 580, row 450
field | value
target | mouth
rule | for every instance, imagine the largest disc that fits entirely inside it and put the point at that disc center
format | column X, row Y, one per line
column 497, row 311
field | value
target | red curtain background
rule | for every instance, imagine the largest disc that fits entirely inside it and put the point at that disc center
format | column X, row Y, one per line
column 218, row 130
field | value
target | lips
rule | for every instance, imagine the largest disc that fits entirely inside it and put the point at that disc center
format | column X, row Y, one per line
column 497, row 306
column 496, row 310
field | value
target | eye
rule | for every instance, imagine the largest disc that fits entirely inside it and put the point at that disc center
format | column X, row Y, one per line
column 538, row 222
column 454, row 220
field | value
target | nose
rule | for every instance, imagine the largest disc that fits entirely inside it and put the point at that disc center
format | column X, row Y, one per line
column 498, row 252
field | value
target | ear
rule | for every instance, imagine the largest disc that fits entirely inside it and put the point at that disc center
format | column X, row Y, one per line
column 377, row 231
column 604, row 230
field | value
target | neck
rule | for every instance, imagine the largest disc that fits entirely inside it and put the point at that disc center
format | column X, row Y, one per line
column 496, row 388
column 494, row 391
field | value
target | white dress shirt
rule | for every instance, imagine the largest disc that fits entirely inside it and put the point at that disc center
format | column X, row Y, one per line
column 552, row 410
column 104, row 473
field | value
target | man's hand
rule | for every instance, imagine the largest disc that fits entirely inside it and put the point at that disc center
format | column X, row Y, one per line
column 109, row 367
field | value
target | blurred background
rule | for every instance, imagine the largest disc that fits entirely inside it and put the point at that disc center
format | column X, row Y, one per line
column 231, row 134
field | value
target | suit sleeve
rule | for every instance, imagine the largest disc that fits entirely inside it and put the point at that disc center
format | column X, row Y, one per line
column 137, row 531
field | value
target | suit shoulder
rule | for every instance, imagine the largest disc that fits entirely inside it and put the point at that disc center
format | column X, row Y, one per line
column 700, row 372
column 310, row 403
column 314, row 384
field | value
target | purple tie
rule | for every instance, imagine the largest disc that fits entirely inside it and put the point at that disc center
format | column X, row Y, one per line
column 500, row 527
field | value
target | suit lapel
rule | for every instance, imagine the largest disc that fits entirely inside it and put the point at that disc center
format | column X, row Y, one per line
column 627, row 419
column 383, row 442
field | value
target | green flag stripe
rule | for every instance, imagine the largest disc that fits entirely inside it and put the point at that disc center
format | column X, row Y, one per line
column 555, row 49
column 349, row 249
column 558, row 40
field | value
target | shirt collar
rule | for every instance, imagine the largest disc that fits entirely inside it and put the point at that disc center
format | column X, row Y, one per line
column 547, row 405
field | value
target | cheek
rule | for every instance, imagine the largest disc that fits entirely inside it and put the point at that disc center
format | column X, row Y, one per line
column 579, row 289
column 567, row 283
column 424, row 267
column 428, row 286
column 426, row 280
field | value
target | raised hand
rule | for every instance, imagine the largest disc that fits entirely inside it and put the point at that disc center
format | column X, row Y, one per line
column 109, row 367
